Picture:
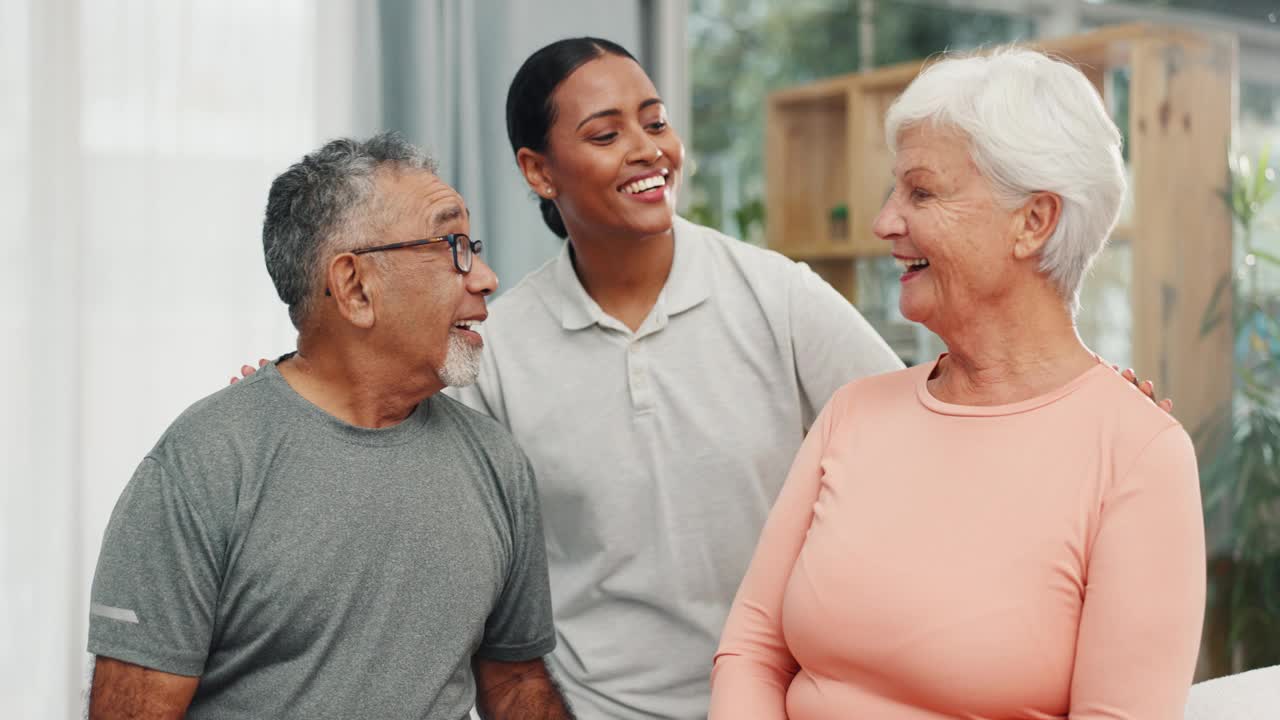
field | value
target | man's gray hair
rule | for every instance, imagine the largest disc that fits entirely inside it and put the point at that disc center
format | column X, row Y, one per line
column 322, row 205
column 1034, row 124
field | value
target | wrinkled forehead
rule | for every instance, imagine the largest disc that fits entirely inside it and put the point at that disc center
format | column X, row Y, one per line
column 934, row 147
column 422, row 198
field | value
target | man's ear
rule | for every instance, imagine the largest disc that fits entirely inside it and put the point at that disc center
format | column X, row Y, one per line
column 347, row 282
column 533, row 165
column 1039, row 218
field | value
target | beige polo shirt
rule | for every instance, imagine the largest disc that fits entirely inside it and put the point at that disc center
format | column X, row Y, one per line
column 658, row 453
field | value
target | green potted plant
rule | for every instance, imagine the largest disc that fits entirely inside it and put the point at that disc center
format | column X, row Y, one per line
column 1241, row 484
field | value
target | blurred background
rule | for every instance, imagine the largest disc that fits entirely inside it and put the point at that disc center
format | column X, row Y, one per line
column 138, row 139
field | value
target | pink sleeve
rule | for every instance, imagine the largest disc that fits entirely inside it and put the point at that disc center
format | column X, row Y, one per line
column 753, row 667
column 1145, row 591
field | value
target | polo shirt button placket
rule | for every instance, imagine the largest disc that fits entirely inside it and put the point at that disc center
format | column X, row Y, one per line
column 636, row 378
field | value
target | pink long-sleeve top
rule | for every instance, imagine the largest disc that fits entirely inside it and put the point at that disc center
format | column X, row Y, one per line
column 924, row 560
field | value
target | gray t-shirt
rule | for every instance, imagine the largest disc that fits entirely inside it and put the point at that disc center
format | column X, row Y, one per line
column 304, row 567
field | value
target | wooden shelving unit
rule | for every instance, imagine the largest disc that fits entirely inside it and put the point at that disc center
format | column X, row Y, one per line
column 825, row 148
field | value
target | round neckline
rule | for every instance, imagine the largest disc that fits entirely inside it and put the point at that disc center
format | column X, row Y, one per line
column 397, row 434
column 945, row 408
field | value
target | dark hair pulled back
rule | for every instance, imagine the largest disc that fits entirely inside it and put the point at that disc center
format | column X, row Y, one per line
column 530, row 109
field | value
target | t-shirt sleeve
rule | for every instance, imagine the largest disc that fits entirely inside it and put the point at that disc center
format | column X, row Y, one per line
column 520, row 627
column 833, row 343
column 1144, row 597
column 156, row 585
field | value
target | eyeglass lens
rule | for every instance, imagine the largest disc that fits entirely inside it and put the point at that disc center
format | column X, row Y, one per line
column 462, row 252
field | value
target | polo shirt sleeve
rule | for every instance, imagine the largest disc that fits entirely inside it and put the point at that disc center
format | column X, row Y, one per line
column 832, row 342
column 155, row 589
column 520, row 627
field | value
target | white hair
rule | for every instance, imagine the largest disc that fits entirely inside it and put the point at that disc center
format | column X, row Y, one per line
column 461, row 362
column 1034, row 124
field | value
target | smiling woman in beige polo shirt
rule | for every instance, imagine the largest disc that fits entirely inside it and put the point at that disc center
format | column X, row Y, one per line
column 659, row 375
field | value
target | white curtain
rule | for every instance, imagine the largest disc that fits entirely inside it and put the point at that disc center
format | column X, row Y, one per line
column 137, row 142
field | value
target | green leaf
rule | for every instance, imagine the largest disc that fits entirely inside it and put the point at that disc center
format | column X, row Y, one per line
column 1240, row 206
column 1268, row 257
column 1247, row 374
column 1261, row 185
column 1259, row 397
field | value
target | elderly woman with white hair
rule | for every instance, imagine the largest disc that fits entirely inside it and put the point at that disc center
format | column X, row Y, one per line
column 1011, row 531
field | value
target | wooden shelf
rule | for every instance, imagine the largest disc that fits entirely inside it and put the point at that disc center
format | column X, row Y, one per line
column 807, row 178
column 825, row 148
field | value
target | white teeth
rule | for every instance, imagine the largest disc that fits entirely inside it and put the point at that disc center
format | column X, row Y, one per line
column 646, row 184
column 468, row 324
column 912, row 264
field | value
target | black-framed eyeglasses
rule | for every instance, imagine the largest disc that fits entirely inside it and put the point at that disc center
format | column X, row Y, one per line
column 464, row 248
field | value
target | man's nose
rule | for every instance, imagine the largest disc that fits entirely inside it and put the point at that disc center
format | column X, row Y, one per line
column 482, row 280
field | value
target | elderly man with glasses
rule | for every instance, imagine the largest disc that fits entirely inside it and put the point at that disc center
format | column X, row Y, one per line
column 333, row 537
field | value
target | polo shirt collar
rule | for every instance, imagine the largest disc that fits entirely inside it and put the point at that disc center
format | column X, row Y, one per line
column 687, row 285
column 577, row 309
column 690, row 280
